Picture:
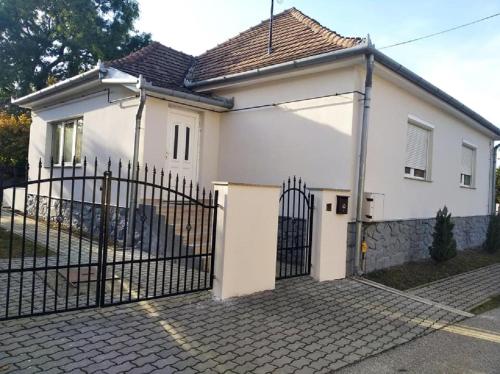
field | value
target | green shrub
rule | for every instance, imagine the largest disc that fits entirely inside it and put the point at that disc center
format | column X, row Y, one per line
column 492, row 242
column 444, row 246
column 14, row 138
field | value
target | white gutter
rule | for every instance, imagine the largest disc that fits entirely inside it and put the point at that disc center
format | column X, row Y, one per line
column 99, row 73
column 221, row 102
column 432, row 89
column 60, row 86
column 285, row 66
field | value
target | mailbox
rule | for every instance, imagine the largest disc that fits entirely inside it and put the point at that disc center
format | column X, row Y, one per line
column 342, row 204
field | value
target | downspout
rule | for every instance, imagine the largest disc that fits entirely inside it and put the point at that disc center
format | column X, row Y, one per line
column 493, row 186
column 362, row 162
column 138, row 119
column 135, row 156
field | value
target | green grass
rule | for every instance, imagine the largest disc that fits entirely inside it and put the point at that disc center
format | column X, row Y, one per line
column 415, row 274
column 490, row 304
column 17, row 246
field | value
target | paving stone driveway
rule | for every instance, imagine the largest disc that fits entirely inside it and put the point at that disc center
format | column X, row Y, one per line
column 465, row 290
column 302, row 326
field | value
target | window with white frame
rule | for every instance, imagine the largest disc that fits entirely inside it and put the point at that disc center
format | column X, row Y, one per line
column 468, row 161
column 417, row 152
column 67, row 141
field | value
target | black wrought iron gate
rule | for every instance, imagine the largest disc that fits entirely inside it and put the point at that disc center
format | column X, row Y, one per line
column 69, row 240
column 295, row 230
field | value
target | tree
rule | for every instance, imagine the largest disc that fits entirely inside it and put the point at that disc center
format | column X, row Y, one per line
column 56, row 39
column 444, row 246
column 14, row 138
column 492, row 242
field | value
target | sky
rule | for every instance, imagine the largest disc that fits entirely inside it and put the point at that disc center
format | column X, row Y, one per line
column 465, row 63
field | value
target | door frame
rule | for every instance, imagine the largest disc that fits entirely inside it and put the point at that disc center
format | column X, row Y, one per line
column 196, row 116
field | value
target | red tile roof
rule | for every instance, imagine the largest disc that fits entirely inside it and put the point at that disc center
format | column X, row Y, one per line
column 162, row 66
column 295, row 36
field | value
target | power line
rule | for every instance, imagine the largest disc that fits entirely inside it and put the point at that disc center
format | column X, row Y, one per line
column 441, row 32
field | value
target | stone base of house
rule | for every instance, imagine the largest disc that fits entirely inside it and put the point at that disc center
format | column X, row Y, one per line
column 392, row 243
column 85, row 218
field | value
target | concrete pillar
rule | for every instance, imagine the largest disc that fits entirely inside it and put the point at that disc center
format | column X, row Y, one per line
column 329, row 250
column 247, row 231
column 8, row 195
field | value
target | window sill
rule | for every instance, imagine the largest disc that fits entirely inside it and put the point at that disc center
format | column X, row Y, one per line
column 467, row 187
column 417, row 179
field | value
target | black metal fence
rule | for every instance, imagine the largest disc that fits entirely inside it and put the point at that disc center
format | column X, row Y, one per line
column 78, row 237
column 295, row 230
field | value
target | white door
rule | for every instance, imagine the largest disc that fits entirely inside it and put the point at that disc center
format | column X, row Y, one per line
column 182, row 149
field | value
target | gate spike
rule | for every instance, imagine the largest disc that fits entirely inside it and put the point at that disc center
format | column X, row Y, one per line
column 109, row 164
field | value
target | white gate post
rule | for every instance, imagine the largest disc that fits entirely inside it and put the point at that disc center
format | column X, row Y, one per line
column 247, row 233
column 329, row 250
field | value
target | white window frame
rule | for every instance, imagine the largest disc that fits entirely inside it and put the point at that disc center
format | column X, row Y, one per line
column 416, row 121
column 62, row 123
column 473, row 148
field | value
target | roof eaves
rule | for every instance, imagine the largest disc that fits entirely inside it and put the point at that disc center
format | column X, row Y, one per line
column 283, row 67
column 215, row 101
column 58, row 87
column 432, row 89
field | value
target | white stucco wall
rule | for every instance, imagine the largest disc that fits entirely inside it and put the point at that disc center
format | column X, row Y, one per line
column 108, row 132
column 406, row 198
column 312, row 139
column 317, row 140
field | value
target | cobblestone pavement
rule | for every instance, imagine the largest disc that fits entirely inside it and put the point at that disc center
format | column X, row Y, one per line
column 303, row 326
column 463, row 291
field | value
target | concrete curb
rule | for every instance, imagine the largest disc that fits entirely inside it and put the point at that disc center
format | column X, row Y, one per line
column 452, row 277
column 413, row 297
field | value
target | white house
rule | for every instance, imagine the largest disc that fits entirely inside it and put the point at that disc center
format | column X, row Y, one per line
column 242, row 113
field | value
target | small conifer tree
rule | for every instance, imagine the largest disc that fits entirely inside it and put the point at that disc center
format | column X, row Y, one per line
column 444, row 246
column 492, row 242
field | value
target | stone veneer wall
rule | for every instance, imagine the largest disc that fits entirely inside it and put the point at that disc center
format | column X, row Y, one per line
column 82, row 218
column 393, row 243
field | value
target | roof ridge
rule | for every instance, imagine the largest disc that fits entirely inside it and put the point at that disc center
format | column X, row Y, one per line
column 324, row 31
column 263, row 22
